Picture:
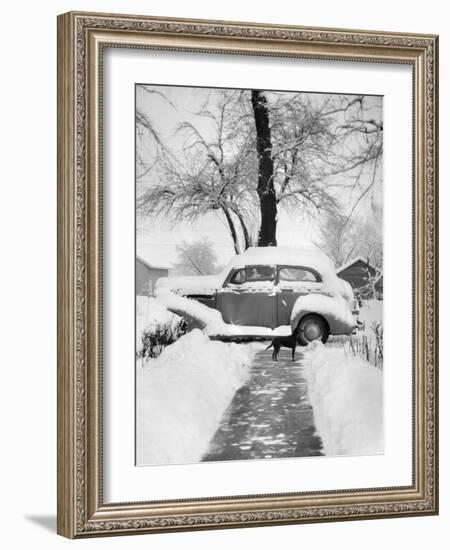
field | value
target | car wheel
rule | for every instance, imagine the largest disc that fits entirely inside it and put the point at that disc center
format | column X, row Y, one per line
column 312, row 327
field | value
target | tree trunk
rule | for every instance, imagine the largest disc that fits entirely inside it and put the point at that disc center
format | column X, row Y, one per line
column 266, row 191
column 233, row 231
column 246, row 234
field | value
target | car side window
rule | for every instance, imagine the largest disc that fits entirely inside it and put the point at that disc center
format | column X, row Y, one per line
column 238, row 277
column 260, row 273
column 298, row 274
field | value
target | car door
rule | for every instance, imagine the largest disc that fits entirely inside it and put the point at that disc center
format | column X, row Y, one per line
column 294, row 281
column 248, row 297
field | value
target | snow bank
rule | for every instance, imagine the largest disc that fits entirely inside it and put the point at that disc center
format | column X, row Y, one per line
column 196, row 314
column 347, row 399
column 259, row 332
column 151, row 311
column 282, row 330
column 182, row 395
column 336, row 311
column 371, row 312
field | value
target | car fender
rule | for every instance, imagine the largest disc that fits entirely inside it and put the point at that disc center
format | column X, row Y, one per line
column 334, row 309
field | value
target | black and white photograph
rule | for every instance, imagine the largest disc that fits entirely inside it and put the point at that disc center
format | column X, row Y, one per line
column 259, row 274
column 221, row 279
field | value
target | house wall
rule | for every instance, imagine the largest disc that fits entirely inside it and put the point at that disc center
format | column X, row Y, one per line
column 146, row 278
column 357, row 275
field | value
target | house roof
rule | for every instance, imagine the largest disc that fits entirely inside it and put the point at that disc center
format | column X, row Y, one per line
column 151, row 266
column 351, row 262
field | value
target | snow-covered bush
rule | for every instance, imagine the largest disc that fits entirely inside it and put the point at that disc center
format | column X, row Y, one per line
column 346, row 394
column 156, row 327
column 155, row 338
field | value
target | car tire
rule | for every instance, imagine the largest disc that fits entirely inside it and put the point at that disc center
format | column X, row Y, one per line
column 312, row 327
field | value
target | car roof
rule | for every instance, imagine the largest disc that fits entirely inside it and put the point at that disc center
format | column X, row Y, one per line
column 283, row 255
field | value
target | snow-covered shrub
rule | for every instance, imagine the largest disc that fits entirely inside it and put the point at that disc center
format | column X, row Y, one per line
column 149, row 314
column 154, row 339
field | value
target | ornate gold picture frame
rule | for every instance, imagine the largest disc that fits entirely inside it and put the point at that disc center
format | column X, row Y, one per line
column 82, row 40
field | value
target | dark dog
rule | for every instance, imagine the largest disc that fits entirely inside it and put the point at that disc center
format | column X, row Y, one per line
column 284, row 341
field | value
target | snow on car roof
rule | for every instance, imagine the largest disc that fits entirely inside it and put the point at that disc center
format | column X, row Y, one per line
column 284, row 255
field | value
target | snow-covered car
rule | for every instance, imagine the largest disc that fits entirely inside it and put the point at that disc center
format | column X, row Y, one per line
column 275, row 286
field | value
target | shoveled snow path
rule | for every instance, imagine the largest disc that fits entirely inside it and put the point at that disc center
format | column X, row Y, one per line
column 270, row 416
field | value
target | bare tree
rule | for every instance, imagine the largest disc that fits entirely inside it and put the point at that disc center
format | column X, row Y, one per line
column 150, row 147
column 323, row 145
column 196, row 258
column 343, row 237
column 337, row 237
column 212, row 173
column 369, row 242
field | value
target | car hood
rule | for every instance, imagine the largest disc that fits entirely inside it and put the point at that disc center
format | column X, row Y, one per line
column 195, row 284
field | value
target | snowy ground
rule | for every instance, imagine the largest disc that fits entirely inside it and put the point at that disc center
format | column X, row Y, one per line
column 347, row 398
column 371, row 312
column 182, row 395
